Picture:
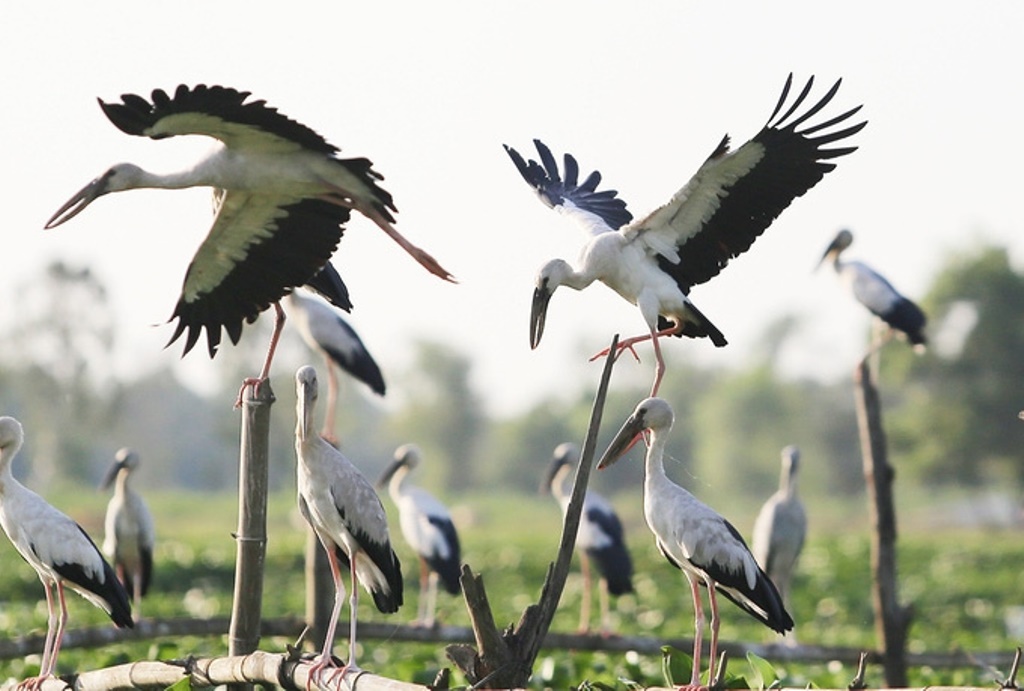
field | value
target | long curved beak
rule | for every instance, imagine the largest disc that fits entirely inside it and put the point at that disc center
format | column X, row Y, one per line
column 538, row 313
column 389, row 471
column 630, row 433
column 111, row 474
column 305, row 393
column 83, row 198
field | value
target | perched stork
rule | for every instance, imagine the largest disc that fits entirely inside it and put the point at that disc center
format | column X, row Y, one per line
column 326, row 332
column 877, row 294
column 781, row 526
column 129, row 534
column 653, row 262
column 600, row 538
column 427, row 527
column 343, row 510
column 60, row 552
column 281, row 195
column 694, row 538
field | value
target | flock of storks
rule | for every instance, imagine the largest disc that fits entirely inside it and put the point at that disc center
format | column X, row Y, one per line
column 283, row 195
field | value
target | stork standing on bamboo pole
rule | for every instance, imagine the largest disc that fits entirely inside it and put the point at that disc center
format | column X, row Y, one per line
column 59, row 550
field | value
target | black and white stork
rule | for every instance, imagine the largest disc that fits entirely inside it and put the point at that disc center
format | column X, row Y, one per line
column 873, row 291
column 129, row 532
column 60, row 551
column 325, row 331
column 428, row 528
column 600, row 538
column 781, row 526
column 653, row 262
column 281, row 195
column 695, row 538
column 341, row 507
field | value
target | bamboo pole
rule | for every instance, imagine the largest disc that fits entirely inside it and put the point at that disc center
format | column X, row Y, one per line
column 892, row 620
column 251, row 536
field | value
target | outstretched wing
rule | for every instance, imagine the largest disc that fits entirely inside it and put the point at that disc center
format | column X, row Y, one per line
column 735, row 196
column 597, row 211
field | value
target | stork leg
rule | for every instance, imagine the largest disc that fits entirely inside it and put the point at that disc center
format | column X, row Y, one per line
column 279, row 319
column 325, row 660
column 52, row 627
column 606, row 619
column 332, row 399
column 421, row 606
column 432, row 579
column 698, row 631
column 655, row 337
column 353, row 604
column 585, row 604
column 713, row 652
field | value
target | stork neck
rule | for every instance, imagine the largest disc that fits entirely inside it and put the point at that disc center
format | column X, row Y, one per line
column 396, row 485
column 558, row 484
column 788, row 482
column 121, row 488
column 655, row 462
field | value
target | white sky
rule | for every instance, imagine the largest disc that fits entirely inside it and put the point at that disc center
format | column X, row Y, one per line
column 431, row 90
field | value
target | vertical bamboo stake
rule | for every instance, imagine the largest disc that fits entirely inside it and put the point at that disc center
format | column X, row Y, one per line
column 891, row 619
column 251, row 536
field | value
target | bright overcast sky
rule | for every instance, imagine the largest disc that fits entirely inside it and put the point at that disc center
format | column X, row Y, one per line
column 431, row 90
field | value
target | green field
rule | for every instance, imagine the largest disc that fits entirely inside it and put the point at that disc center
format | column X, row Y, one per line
column 964, row 586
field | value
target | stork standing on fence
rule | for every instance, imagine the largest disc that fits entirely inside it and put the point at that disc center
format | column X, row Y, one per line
column 781, row 526
column 341, row 507
column 427, row 527
column 695, row 538
column 600, row 539
column 716, row 216
column 129, row 534
column 871, row 289
column 281, row 196
column 59, row 550
column 325, row 331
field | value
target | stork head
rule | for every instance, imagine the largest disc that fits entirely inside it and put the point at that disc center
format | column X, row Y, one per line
column 11, row 438
column 791, row 459
column 651, row 414
column 406, row 456
column 120, row 177
column 306, row 392
column 842, row 240
column 125, row 459
column 566, row 455
column 550, row 276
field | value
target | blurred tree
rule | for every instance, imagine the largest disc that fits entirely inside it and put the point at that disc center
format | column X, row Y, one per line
column 960, row 425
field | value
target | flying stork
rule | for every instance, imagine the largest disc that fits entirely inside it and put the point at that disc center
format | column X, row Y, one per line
column 653, row 262
column 60, row 551
column 877, row 294
column 325, row 331
column 781, row 526
column 281, row 196
column 341, row 507
column 427, row 527
column 600, row 538
column 695, row 538
column 129, row 534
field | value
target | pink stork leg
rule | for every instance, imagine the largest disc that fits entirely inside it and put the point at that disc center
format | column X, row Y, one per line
column 327, row 432
column 326, row 660
column 585, row 604
column 655, row 337
column 713, row 652
column 698, row 631
column 279, row 319
column 52, row 627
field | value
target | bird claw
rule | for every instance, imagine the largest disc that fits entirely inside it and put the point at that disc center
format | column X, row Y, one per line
column 625, row 345
column 246, row 383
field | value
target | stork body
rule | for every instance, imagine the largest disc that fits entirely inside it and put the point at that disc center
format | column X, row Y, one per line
column 428, row 528
column 871, row 289
column 653, row 262
column 348, row 518
column 600, row 538
column 129, row 533
column 282, row 196
column 61, row 553
column 695, row 538
column 325, row 331
column 781, row 526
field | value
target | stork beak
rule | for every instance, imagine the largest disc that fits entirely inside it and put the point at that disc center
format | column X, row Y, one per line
column 305, row 393
column 111, row 475
column 832, row 249
column 545, row 484
column 630, row 433
column 83, row 198
column 389, row 471
column 538, row 313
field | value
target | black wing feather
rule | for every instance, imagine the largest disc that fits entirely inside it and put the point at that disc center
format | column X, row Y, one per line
column 110, row 590
column 448, row 569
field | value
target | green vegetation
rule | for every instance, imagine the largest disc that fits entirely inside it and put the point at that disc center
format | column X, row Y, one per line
column 963, row 585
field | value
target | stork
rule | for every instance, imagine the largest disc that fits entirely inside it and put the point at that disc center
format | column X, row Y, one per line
column 60, row 551
column 870, row 289
column 325, row 331
column 129, row 534
column 781, row 526
column 694, row 538
column 427, row 527
column 341, row 507
column 281, row 196
column 655, row 261
column 600, row 537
